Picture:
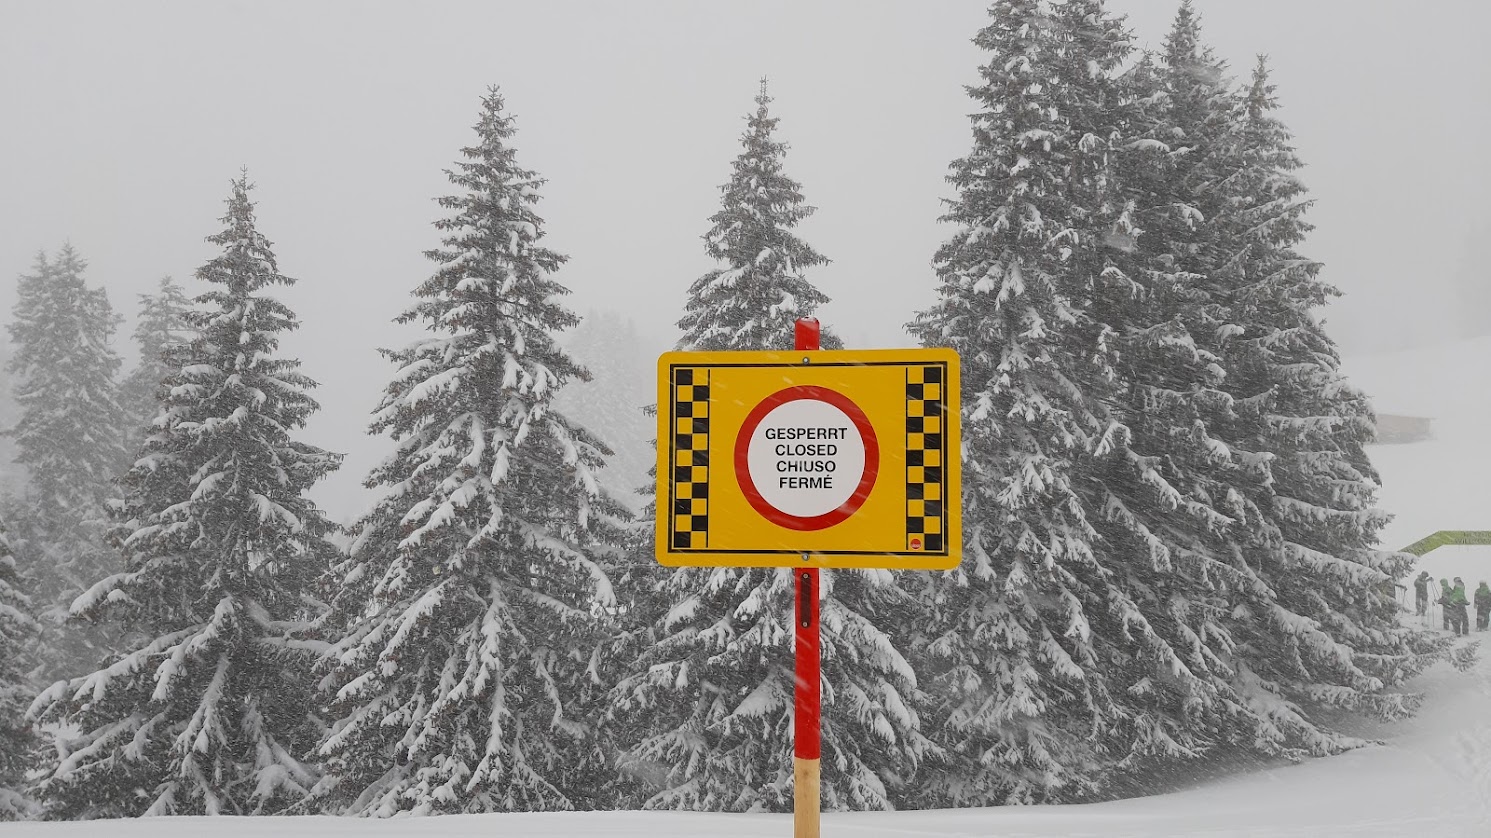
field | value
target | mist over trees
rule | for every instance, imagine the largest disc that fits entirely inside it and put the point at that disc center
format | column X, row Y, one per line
column 213, row 713
column 613, row 402
column 69, row 438
column 1473, row 285
column 1170, row 523
column 162, row 323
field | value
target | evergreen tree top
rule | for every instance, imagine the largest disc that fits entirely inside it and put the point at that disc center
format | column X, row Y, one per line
column 238, row 328
column 221, row 456
column 1091, row 33
column 1035, row 175
column 1184, row 41
column 58, row 315
column 69, row 261
column 1192, row 73
column 752, row 301
column 490, row 167
column 1263, row 128
column 1261, row 97
column 493, row 273
column 68, row 433
column 165, row 323
column 760, row 201
column 162, row 321
column 23, row 330
column 247, row 262
column 494, row 296
column 1274, row 199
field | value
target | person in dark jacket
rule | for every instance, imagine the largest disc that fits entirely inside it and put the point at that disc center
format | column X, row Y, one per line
column 1459, row 603
column 1421, row 593
column 1482, row 606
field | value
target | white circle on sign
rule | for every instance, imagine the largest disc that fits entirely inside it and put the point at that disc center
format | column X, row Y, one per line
column 806, row 458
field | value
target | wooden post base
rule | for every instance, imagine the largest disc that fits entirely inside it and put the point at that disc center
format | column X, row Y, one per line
column 805, row 798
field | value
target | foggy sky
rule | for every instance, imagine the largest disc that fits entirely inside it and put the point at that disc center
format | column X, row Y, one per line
column 121, row 125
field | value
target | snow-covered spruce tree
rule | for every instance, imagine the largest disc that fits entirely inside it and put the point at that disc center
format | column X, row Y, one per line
column 1173, row 494
column 214, row 713
column 162, row 324
column 1329, row 638
column 69, row 437
column 1042, row 648
column 1187, row 498
column 752, row 300
column 476, row 594
column 18, row 631
column 707, row 707
column 1006, row 651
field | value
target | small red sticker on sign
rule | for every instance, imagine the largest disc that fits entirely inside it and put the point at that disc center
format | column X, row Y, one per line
column 916, row 544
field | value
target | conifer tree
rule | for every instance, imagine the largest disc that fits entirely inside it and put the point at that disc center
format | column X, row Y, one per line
column 759, row 291
column 1328, row 636
column 1118, row 487
column 1173, row 495
column 476, row 590
column 69, row 438
column 214, row 712
column 1191, row 527
column 706, row 709
column 989, row 653
column 162, row 324
column 1043, row 646
column 18, row 632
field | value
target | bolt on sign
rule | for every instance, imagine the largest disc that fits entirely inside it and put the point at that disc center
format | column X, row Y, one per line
column 836, row 458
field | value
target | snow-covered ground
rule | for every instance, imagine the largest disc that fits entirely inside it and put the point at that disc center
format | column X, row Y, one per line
column 1430, row 777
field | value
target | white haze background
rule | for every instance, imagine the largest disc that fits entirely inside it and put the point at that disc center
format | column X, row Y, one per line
column 124, row 122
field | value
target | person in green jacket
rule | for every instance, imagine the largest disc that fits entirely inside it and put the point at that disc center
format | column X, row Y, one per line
column 1482, row 606
column 1444, row 603
column 1458, row 604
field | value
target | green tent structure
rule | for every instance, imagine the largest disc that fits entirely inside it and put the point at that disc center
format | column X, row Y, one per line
column 1445, row 538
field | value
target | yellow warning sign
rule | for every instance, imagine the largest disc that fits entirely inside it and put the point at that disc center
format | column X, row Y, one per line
column 847, row 458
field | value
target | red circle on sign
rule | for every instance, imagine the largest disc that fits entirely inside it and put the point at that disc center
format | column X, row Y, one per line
column 742, row 460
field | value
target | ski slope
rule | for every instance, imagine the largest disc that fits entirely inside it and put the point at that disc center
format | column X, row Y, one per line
column 1430, row 777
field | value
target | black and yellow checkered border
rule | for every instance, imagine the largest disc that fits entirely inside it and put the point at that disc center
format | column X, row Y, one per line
column 688, row 523
column 926, row 456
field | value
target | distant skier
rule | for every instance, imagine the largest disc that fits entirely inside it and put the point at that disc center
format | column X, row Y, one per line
column 1482, row 606
column 1421, row 593
column 1458, row 604
column 1444, row 603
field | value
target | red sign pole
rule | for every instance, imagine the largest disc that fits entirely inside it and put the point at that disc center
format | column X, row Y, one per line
column 807, row 719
